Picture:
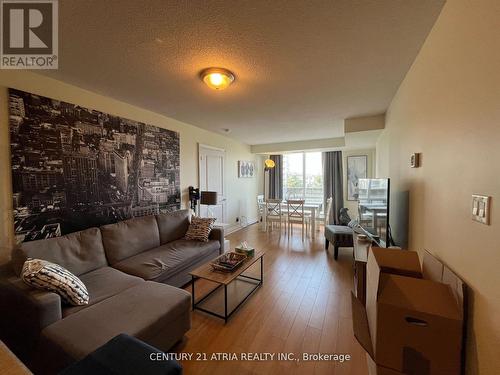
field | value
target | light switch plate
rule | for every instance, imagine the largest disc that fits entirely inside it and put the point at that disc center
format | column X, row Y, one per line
column 415, row 160
column 481, row 209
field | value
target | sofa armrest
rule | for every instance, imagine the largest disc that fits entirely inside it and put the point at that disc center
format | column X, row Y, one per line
column 24, row 312
column 217, row 234
column 40, row 307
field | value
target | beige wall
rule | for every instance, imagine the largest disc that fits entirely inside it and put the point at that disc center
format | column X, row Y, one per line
column 370, row 153
column 240, row 192
column 448, row 108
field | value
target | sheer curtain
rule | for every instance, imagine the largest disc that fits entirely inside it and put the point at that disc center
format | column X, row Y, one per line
column 276, row 178
column 333, row 182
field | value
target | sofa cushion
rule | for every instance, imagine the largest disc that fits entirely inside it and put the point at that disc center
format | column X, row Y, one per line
column 78, row 252
column 103, row 283
column 156, row 313
column 41, row 274
column 130, row 237
column 164, row 261
column 173, row 225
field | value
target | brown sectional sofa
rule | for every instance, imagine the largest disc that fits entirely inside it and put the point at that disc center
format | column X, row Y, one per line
column 131, row 270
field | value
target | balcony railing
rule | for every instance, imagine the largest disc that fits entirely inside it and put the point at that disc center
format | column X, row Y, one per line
column 310, row 195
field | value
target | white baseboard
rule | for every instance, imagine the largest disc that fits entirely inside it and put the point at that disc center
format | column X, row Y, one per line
column 236, row 227
column 231, row 229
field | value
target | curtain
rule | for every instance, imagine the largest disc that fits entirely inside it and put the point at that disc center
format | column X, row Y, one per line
column 333, row 182
column 276, row 177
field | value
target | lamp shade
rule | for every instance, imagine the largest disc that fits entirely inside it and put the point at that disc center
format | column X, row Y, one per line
column 269, row 163
column 209, row 198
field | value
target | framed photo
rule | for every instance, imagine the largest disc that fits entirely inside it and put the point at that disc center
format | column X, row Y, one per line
column 246, row 169
column 356, row 169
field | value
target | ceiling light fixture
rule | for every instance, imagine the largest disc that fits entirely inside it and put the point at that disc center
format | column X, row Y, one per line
column 217, row 78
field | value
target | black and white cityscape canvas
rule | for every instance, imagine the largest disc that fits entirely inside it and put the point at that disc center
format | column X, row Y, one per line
column 75, row 168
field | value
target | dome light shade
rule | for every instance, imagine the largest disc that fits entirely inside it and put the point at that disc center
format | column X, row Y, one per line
column 217, row 78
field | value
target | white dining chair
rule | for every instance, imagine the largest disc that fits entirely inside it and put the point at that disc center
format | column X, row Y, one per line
column 296, row 215
column 260, row 206
column 273, row 213
column 325, row 216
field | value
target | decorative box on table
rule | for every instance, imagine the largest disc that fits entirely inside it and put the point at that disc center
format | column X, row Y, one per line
column 245, row 249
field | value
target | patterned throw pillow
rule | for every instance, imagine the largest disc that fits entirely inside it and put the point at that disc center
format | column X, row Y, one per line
column 49, row 276
column 200, row 228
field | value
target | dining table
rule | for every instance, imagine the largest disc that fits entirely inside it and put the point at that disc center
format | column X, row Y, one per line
column 312, row 208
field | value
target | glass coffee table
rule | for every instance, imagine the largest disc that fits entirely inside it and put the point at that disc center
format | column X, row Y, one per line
column 233, row 290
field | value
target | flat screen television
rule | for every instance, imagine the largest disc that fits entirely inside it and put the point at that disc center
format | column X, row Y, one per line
column 373, row 208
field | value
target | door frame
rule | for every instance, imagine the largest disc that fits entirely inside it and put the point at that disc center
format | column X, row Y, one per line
column 202, row 146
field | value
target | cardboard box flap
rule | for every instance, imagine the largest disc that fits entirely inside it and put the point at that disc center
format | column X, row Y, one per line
column 458, row 288
column 432, row 268
column 398, row 262
column 425, row 296
column 360, row 325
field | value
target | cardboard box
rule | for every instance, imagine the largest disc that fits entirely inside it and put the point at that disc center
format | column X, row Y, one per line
column 380, row 261
column 417, row 326
column 396, row 261
column 374, row 369
column 362, row 333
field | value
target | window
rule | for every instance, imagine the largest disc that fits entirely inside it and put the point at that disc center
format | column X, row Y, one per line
column 303, row 176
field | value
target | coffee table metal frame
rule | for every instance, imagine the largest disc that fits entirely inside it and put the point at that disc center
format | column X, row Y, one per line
column 241, row 277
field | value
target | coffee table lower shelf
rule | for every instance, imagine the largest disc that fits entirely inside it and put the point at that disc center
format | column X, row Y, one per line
column 225, row 299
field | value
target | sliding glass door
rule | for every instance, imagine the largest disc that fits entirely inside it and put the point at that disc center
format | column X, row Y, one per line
column 303, row 177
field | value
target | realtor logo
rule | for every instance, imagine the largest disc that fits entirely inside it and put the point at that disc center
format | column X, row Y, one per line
column 29, row 37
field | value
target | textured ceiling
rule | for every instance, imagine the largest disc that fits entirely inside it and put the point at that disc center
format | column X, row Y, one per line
column 301, row 66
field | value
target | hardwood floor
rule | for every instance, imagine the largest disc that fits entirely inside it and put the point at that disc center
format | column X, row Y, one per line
column 302, row 307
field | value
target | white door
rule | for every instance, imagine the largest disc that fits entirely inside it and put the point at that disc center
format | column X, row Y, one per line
column 211, row 167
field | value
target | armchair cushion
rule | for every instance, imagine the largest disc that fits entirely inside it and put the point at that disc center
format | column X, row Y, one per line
column 340, row 236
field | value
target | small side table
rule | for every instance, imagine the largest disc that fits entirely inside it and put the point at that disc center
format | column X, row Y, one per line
column 236, row 285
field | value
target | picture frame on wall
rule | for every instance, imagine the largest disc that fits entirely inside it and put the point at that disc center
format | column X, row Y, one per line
column 246, row 169
column 85, row 168
column 357, row 167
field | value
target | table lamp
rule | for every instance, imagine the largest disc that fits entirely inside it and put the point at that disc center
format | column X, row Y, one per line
column 209, row 198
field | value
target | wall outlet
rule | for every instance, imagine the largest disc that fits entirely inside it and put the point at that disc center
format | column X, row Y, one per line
column 481, row 209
